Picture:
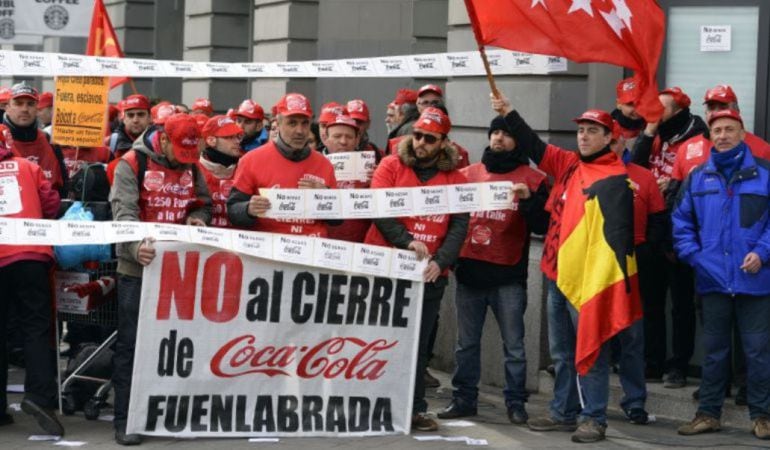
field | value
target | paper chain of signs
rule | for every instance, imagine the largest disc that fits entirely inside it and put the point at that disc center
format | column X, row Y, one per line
column 457, row 64
column 304, row 250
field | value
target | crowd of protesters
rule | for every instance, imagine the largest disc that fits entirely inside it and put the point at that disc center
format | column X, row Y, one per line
column 685, row 207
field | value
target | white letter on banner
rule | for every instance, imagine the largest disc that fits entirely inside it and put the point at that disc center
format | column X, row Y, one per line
column 406, row 265
column 333, row 254
column 253, row 243
column 394, row 202
column 124, row 231
column 464, row 197
column 323, row 203
column 497, row 196
column 293, row 249
column 371, row 259
column 431, row 200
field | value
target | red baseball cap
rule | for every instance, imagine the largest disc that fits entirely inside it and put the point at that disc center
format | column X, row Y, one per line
column 433, row 120
column 726, row 113
column 294, row 104
column 45, row 101
column 358, row 110
column 5, row 95
column 113, row 112
column 430, row 88
column 250, row 110
column 200, row 119
column 678, row 95
column 627, row 91
column 161, row 113
column 183, row 132
column 221, row 126
column 720, row 93
column 23, row 90
column 343, row 119
column 135, row 101
column 203, row 104
column 598, row 116
column 405, row 96
column 330, row 111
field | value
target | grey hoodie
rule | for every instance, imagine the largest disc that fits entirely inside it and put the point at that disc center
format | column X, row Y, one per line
column 124, row 199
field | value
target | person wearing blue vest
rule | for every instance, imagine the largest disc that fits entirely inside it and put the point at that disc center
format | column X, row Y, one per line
column 722, row 229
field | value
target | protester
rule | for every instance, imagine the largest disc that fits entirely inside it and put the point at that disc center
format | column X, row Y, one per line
column 202, row 106
column 424, row 159
column 629, row 120
column 285, row 163
column 405, row 108
column 359, row 111
column 429, row 95
column 592, row 176
column 24, row 281
column 251, row 118
column 135, row 118
column 492, row 273
column 28, row 140
column 218, row 161
column 390, row 117
column 329, row 113
column 160, row 170
column 722, row 229
column 45, row 111
column 656, row 149
column 342, row 136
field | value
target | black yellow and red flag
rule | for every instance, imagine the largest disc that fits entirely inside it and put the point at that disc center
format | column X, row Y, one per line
column 102, row 40
column 596, row 265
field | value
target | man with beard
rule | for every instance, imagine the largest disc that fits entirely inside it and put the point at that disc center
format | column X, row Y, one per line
column 492, row 274
column 251, row 118
column 425, row 158
column 218, row 161
column 135, row 118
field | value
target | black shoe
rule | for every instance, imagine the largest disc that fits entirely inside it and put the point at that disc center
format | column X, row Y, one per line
column 454, row 411
column 517, row 415
column 6, row 419
column 638, row 416
column 740, row 396
column 430, row 381
column 46, row 417
column 674, row 379
column 126, row 439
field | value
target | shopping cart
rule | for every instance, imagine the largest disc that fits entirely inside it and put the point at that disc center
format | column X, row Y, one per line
column 99, row 306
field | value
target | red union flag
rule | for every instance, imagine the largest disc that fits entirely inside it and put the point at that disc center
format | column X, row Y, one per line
column 626, row 33
column 102, row 40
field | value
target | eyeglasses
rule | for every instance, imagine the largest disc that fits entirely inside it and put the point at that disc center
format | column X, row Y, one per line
column 428, row 138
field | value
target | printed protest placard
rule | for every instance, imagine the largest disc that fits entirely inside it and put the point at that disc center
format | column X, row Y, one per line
column 235, row 346
column 80, row 111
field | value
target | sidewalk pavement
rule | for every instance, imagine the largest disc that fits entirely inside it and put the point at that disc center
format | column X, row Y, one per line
column 491, row 424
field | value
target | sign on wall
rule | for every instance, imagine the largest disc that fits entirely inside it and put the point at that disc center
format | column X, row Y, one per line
column 715, row 38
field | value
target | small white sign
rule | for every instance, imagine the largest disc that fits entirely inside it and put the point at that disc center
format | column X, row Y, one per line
column 715, row 38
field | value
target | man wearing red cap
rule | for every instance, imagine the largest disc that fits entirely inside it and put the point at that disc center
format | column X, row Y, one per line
column 28, row 140
column 424, row 159
column 406, row 113
column 656, row 149
column 429, row 95
column 135, row 118
column 492, row 275
column 202, row 106
column 251, row 118
column 24, row 275
column 329, row 113
column 159, row 170
column 358, row 110
column 722, row 228
column 218, row 161
column 285, row 163
column 342, row 136
column 588, row 302
column 630, row 122
column 45, row 111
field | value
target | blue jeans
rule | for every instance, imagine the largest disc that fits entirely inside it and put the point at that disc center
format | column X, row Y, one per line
column 752, row 315
column 565, row 405
column 508, row 304
column 632, row 366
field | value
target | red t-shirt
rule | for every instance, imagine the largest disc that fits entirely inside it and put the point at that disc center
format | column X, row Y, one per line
column 697, row 150
column 647, row 199
column 266, row 167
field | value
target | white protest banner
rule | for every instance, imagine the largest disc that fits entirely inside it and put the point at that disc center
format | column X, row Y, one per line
column 353, row 166
column 233, row 346
column 48, row 17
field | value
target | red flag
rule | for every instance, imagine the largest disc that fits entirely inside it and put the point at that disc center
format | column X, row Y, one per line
column 626, row 33
column 102, row 40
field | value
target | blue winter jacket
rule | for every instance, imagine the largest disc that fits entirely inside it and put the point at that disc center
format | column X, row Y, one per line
column 717, row 222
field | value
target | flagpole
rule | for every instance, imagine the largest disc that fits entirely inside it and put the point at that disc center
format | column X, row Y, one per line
column 469, row 6
column 133, row 86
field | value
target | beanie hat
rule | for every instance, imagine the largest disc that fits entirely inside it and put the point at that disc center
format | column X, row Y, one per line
column 498, row 123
